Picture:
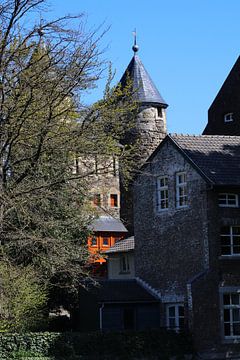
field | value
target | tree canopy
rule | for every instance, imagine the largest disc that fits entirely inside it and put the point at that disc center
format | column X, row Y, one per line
column 45, row 68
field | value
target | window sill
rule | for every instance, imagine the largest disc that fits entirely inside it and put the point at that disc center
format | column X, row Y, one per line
column 231, row 340
column 124, row 272
column 229, row 257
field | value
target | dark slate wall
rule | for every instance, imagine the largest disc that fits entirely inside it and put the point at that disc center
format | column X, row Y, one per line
column 170, row 246
column 226, row 101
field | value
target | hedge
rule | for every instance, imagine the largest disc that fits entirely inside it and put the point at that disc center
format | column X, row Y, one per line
column 161, row 344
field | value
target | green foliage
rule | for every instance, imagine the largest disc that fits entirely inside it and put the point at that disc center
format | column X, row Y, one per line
column 22, row 299
column 149, row 345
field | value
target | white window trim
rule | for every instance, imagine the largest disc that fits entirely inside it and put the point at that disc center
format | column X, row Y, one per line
column 227, row 199
column 159, row 190
column 231, row 235
column 177, row 316
column 178, row 186
column 230, row 115
column 224, row 291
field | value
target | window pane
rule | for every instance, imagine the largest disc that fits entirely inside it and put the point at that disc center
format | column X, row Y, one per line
column 236, row 230
column 171, row 311
column 227, row 330
column 226, row 315
column 235, row 299
column 236, row 249
column 226, row 250
column 226, row 299
column 105, row 241
column 235, row 314
column 236, row 329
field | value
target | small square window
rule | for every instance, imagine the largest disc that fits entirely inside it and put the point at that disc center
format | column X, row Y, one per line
column 105, row 241
column 228, row 117
column 228, row 200
column 94, row 241
column 97, row 199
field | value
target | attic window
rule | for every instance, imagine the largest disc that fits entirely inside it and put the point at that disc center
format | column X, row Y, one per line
column 228, row 117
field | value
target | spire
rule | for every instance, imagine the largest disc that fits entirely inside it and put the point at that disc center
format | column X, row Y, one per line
column 135, row 46
column 146, row 91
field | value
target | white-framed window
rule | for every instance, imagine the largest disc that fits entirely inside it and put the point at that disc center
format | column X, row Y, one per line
column 124, row 264
column 228, row 117
column 181, row 190
column 227, row 200
column 162, row 193
column 231, row 314
column 230, row 240
column 175, row 316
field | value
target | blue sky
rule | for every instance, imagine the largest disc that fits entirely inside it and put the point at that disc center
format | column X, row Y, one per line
column 187, row 46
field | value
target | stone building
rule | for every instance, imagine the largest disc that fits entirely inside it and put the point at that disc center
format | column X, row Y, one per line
column 187, row 236
column 224, row 113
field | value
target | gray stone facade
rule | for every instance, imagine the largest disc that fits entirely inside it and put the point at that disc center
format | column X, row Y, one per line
column 178, row 250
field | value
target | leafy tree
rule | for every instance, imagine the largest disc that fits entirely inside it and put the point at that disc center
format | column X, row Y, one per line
column 44, row 128
column 23, row 300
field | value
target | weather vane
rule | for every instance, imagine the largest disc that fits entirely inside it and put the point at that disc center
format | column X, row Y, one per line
column 135, row 46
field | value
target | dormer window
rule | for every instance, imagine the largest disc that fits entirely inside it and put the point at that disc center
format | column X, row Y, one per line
column 159, row 112
column 228, row 117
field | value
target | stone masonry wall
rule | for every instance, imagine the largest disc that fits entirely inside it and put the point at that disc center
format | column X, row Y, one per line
column 171, row 246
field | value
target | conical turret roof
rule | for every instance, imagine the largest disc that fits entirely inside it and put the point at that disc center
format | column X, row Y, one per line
column 146, row 91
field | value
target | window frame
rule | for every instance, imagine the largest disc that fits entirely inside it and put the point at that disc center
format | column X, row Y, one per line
column 94, row 197
column 159, row 112
column 165, row 190
column 226, row 119
column 230, row 235
column 181, row 186
column 231, row 307
column 109, row 241
column 176, row 316
column 110, row 200
column 227, row 200
column 124, row 264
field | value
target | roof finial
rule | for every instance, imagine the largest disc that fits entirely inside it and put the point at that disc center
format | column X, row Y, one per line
column 135, row 46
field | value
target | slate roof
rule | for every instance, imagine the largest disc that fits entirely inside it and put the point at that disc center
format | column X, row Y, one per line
column 122, row 291
column 146, row 91
column 216, row 157
column 124, row 245
column 107, row 224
